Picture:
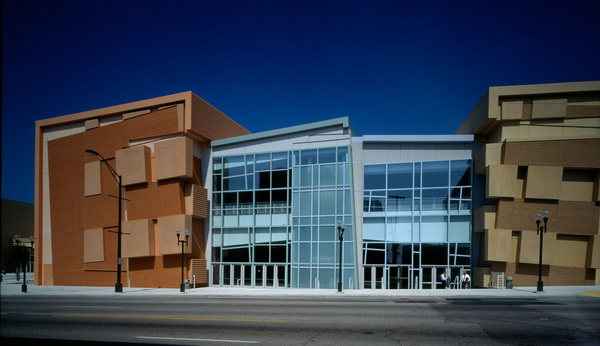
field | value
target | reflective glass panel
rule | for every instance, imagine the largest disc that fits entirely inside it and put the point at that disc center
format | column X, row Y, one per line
column 459, row 229
column 400, row 175
column 375, row 177
column 399, row 200
column 216, row 240
column 235, row 183
column 434, row 229
column 435, row 173
column 218, row 165
column 235, row 236
column 342, row 154
column 278, row 234
column 327, row 175
column 308, row 157
column 435, row 199
column 327, row 233
column 249, row 164
column 327, row 252
column 305, row 203
column 305, row 252
column 460, row 175
column 327, row 203
column 261, row 235
column 327, row 155
column 306, row 176
column 263, row 162
column 234, row 165
column 280, row 160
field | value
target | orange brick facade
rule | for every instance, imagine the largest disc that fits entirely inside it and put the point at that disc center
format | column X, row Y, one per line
column 70, row 225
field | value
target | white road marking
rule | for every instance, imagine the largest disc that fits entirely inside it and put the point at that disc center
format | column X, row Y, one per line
column 204, row 340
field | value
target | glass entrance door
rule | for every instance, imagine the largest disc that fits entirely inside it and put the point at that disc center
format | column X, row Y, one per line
column 250, row 275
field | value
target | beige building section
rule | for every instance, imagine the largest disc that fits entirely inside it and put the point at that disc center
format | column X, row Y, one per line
column 93, row 182
column 167, row 233
column 543, row 182
column 138, row 240
column 501, row 181
column 173, row 158
column 93, row 243
column 133, row 164
column 540, row 150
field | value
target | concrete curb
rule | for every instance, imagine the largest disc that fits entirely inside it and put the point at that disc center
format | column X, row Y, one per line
column 13, row 288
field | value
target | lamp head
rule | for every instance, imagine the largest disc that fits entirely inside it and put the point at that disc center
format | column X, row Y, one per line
column 31, row 239
column 538, row 218
column 546, row 215
column 341, row 227
column 187, row 234
column 17, row 238
column 91, row 152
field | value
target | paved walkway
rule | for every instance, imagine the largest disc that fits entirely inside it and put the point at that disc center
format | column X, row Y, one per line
column 10, row 287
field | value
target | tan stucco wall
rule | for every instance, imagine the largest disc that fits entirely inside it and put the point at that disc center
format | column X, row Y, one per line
column 542, row 152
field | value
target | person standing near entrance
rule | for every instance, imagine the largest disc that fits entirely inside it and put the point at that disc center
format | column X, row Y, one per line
column 445, row 279
column 465, row 280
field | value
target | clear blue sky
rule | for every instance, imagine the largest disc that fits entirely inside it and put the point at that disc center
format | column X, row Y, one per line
column 393, row 67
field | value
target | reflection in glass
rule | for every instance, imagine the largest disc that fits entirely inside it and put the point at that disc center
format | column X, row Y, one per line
column 374, row 177
column 435, row 200
column 342, row 154
column 400, row 175
column 460, row 174
column 280, row 160
column 435, row 173
column 327, row 175
column 263, row 162
column 308, row 157
column 233, row 165
column 327, row 155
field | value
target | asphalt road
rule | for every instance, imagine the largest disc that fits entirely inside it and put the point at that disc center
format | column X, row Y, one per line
column 297, row 321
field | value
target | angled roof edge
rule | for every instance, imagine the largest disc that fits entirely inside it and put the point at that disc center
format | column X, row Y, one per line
column 343, row 121
column 107, row 111
column 194, row 95
column 485, row 112
column 545, row 88
column 415, row 139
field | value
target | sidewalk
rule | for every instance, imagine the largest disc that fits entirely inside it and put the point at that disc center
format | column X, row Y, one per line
column 10, row 287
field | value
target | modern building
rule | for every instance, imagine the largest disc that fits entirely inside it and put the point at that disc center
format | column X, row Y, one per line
column 290, row 207
column 540, row 151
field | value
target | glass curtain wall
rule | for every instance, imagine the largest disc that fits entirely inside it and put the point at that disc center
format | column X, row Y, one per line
column 274, row 218
column 321, row 196
column 251, row 214
column 417, row 217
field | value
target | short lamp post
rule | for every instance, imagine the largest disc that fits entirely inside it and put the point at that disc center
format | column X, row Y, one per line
column 541, row 230
column 341, row 228
column 22, row 255
column 183, row 244
column 117, row 177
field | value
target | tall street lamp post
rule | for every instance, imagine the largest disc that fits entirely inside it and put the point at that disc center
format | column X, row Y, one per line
column 541, row 230
column 341, row 228
column 117, row 177
column 183, row 244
